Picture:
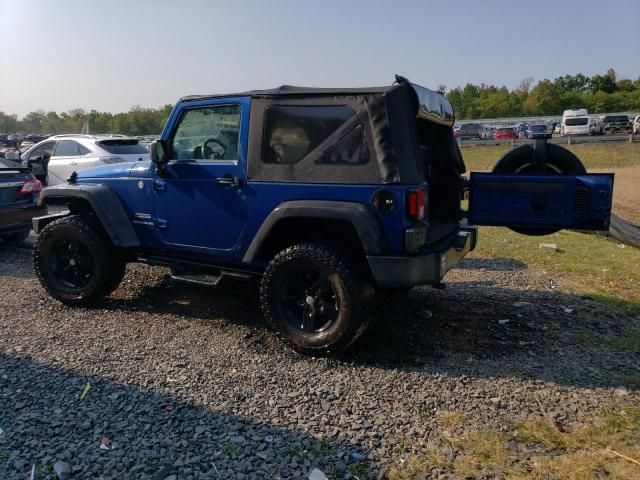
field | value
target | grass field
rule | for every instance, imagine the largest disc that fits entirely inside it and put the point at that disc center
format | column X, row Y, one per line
column 588, row 263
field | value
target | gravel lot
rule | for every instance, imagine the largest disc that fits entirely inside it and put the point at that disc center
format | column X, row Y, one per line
column 190, row 381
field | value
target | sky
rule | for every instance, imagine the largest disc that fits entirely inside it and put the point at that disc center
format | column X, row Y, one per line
column 110, row 55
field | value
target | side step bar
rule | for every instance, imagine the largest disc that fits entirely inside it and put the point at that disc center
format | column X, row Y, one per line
column 205, row 279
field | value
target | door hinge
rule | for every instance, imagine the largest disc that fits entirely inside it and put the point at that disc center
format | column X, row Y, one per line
column 160, row 223
column 159, row 185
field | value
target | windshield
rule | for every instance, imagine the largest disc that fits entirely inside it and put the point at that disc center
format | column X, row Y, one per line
column 616, row 118
column 470, row 126
column 572, row 122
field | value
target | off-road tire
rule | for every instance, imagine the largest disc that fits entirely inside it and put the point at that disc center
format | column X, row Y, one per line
column 107, row 266
column 560, row 161
column 14, row 239
column 351, row 319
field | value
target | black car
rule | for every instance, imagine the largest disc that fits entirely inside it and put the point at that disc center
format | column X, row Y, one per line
column 616, row 124
column 19, row 191
column 538, row 131
column 470, row 130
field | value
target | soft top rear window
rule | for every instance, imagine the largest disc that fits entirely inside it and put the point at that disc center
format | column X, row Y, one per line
column 291, row 132
column 572, row 122
column 122, row 146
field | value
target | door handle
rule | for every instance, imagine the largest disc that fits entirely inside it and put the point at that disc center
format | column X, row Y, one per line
column 228, row 180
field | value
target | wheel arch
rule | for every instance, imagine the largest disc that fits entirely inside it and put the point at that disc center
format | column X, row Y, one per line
column 349, row 224
column 99, row 200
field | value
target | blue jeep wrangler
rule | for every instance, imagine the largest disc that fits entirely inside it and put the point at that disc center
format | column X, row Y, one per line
column 323, row 195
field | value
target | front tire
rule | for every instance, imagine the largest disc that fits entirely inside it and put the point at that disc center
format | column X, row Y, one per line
column 75, row 262
column 313, row 300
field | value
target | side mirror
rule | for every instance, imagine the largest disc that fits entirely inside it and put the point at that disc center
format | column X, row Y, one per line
column 158, row 152
column 15, row 156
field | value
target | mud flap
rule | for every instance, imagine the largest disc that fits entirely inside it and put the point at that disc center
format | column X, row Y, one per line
column 578, row 202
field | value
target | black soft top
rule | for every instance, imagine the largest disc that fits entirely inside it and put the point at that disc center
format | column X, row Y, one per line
column 389, row 116
column 292, row 90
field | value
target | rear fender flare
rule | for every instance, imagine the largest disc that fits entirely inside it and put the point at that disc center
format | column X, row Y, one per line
column 363, row 219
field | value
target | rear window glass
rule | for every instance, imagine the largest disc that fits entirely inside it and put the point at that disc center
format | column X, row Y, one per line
column 294, row 131
column 505, row 130
column 470, row 126
column 572, row 122
column 349, row 150
column 123, row 147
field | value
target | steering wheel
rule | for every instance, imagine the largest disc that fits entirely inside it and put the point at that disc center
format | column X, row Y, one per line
column 216, row 155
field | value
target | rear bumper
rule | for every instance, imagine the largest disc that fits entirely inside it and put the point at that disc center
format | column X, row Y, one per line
column 19, row 219
column 426, row 269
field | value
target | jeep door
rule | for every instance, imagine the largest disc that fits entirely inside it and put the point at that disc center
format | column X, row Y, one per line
column 200, row 197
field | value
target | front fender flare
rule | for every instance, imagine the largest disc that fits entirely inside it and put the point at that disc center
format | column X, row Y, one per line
column 106, row 205
column 365, row 222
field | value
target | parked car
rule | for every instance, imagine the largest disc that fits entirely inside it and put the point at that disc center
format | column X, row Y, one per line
column 56, row 158
column 636, row 125
column 19, row 192
column 521, row 130
column 505, row 133
column 595, row 126
column 470, row 130
column 538, row 131
column 616, row 124
column 489, row 133
column 307, row 198
column 575, row 122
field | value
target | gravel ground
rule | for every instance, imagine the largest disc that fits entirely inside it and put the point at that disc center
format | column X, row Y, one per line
column 190, row 382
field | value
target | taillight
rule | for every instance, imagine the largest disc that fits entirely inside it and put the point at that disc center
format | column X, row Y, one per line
column 31, row 186
column 416, row 203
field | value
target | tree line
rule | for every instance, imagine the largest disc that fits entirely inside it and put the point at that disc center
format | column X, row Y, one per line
column 598, row 94
column 137, row 121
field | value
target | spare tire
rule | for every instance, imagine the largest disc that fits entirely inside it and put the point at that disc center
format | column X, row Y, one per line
column 541, row 158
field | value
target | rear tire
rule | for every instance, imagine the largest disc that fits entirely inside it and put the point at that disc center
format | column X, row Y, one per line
column 75, row 263
column 14, row 239
column 313, row 300
column 560, row 161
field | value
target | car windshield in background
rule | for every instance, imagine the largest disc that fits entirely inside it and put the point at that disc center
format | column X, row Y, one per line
column 572, row 122
column 616, row 118
column 470, row 126
column 538, row 128
column 505, row 130
column 122, row 147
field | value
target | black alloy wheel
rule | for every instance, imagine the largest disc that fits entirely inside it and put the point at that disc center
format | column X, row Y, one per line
column 75, row 261
column 308, row 300
column 313, row 299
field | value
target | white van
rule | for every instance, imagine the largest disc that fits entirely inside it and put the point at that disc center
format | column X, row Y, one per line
column 575, row 122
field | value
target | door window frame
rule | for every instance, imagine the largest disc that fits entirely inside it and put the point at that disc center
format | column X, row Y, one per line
column 181, row 115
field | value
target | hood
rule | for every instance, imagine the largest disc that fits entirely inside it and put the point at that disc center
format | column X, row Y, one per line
column 116, row 170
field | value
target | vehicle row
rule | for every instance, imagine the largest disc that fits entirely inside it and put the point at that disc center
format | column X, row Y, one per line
column 573, row 122
column 54, row 159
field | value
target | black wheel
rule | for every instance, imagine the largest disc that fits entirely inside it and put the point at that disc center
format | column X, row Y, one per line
column 313, row 300
column 555, row 160
column 15, row 238
column 75, row 263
